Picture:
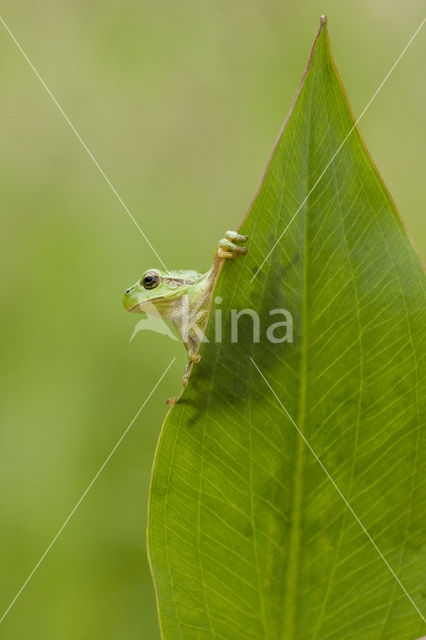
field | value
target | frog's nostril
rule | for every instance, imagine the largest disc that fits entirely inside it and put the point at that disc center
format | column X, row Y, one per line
column 128, row 290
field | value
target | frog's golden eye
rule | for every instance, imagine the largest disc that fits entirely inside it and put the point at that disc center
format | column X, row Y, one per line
column 150, row 280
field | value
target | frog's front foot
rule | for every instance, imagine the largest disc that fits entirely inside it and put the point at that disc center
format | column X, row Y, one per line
column 227, row 247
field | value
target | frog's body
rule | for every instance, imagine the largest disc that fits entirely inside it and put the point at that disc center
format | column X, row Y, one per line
column 183, row 297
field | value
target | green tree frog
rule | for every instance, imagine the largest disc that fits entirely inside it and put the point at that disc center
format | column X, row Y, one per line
column 183, row 297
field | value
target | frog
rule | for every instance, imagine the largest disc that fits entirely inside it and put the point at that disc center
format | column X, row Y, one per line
column 183, row 297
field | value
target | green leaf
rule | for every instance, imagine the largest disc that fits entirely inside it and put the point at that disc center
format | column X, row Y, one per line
column 248, row 535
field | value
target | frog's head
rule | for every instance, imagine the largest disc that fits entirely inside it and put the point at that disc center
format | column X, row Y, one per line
column 155, row 288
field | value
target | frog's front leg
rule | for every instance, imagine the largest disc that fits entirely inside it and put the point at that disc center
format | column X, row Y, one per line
column 227, row 247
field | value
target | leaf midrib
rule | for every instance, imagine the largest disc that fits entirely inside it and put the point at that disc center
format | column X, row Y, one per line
column 292, row 573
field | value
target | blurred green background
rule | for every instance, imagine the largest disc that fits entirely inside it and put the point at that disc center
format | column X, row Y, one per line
column 180, row 103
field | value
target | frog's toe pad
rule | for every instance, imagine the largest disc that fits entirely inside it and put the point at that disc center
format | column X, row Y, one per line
column 234, row 236
column 227, row 248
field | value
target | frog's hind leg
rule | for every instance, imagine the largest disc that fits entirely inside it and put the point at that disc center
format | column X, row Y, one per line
column 227, row 247
column 193, row 359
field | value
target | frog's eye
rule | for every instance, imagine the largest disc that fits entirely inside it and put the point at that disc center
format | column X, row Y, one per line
column 150, row 280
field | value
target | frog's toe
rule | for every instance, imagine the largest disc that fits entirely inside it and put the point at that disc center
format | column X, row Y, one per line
column 228, row 249
column 234, row 236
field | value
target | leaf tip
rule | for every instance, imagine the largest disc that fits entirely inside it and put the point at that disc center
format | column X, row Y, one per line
column 322, row 27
